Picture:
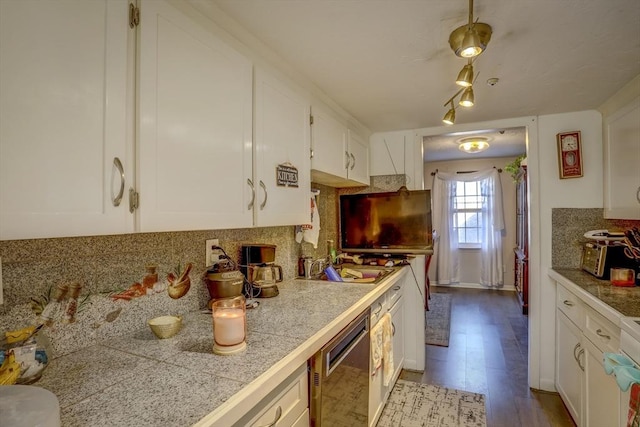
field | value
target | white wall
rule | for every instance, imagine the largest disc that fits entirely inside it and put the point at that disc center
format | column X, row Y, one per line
column 584, row 192
column 470, row 258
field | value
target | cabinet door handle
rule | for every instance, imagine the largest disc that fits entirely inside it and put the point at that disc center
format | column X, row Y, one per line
column 602, row 334
column 278, row 415
column 568, row 303
column 353, row 163
column 580, row 353
column 393, row 329
column 575, row 355
column 264, row 188
column 117, row 164
column 346, row 155
column 253, row 194
column 378, row 310
column 638, row 195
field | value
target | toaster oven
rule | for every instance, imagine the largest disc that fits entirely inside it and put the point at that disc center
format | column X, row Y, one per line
column 598, row 258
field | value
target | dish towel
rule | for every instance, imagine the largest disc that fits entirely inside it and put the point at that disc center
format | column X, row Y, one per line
column 382, row 348
column 310, row 232
column 628, row 377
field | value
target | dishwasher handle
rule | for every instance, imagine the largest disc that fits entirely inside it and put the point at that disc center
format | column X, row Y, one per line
column 341, row 345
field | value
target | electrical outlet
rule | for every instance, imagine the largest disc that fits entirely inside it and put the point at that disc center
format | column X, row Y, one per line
column 211, row 255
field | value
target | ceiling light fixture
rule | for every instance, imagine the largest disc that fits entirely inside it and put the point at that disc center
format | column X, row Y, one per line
column 473, row 145
column 470, row 40
column 465, row 76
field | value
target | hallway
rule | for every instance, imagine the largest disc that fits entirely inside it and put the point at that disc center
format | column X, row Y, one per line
column 487, row 354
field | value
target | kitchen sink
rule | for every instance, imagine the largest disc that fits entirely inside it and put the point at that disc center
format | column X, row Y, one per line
column 370, row 273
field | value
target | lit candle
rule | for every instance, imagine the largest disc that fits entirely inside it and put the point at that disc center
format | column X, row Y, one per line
column 228, row 326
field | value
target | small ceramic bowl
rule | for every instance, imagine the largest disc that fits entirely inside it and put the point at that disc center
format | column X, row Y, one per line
column 165, row 326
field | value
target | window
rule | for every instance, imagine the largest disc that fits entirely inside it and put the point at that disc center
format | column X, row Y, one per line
column 467, row 214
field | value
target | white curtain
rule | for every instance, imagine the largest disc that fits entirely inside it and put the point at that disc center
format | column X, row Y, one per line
column 446, row 243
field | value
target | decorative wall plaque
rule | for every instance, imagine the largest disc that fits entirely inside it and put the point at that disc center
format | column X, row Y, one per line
column 287, row 175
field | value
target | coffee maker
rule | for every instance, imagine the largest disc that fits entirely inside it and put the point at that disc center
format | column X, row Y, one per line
column 257, row 265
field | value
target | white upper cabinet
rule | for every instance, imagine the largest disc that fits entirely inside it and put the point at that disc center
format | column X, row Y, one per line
column 397, row 153
column 337, row 159
column 195, row 126
column 65, row 116
column 281, row 142
column 358, row 158
column 622, row 163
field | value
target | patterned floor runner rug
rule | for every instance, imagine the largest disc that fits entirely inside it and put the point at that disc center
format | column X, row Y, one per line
column 422, row 405
column 438, row 319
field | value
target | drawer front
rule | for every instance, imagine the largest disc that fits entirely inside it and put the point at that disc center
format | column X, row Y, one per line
column 394, row 294
column 601, row 332
column 570, row 305
column 288, row 406
column 378, row 309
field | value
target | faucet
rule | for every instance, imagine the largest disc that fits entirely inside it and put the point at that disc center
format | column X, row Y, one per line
column 319, row 264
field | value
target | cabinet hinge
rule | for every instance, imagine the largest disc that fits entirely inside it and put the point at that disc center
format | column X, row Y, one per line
column 134, row 200
column 310, row 120
column 134, row 15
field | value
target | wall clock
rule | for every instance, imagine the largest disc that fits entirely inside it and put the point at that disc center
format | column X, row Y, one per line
column 569, row 154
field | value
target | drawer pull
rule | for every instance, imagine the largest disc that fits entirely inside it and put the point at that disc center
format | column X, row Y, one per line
column 397, row 288
column 568, row 303
column 278, row 415
column 602, row 334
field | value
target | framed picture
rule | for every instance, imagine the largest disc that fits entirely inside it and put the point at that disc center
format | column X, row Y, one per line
column 569, row 154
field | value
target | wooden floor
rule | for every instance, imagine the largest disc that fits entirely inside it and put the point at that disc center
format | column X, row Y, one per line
column 487, row 354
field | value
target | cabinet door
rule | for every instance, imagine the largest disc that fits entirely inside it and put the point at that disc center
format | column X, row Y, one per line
column 397, row 321
column 281, row 138
column 64, row 117
column 359, row 156
column 621, row 160
column 396, row 153
column 195, row 125
column 602, row 394
column 329, row 144
column 569, row 365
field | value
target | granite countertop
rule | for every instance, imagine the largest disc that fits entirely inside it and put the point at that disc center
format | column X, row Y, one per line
column 140, row 380
column 625, row 300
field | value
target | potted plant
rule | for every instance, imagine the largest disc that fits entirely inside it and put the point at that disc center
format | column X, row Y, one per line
column 514, row 169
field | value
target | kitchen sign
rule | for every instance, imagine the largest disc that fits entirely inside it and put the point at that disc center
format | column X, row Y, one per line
column 287, row 175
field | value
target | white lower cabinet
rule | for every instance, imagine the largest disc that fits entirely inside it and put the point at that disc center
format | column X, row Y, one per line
column 569, row 374
column 287, row 405
column 392, row 302
column 582, row 335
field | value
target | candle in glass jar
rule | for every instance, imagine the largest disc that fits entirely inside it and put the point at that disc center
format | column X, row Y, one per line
column 228, row 326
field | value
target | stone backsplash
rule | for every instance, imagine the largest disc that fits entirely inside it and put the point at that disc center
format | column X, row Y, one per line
column 103, row 265
column 569, row 226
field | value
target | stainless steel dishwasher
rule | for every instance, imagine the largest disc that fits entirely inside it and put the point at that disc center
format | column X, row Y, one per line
column 340, row 378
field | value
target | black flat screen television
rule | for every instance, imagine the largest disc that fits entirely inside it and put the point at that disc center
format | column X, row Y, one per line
column 387, row 223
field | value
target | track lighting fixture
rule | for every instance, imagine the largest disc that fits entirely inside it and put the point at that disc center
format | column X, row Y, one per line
column 467, row 99
column 465, row 76
column 470, row 40
column 450, row 117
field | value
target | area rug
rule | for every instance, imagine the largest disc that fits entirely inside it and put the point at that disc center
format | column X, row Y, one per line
column 422, row 405
column 438, row 319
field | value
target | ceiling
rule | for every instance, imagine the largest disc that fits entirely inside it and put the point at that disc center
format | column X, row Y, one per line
column 388, row 62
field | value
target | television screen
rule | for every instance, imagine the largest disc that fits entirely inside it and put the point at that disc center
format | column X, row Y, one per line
column 394, row 222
